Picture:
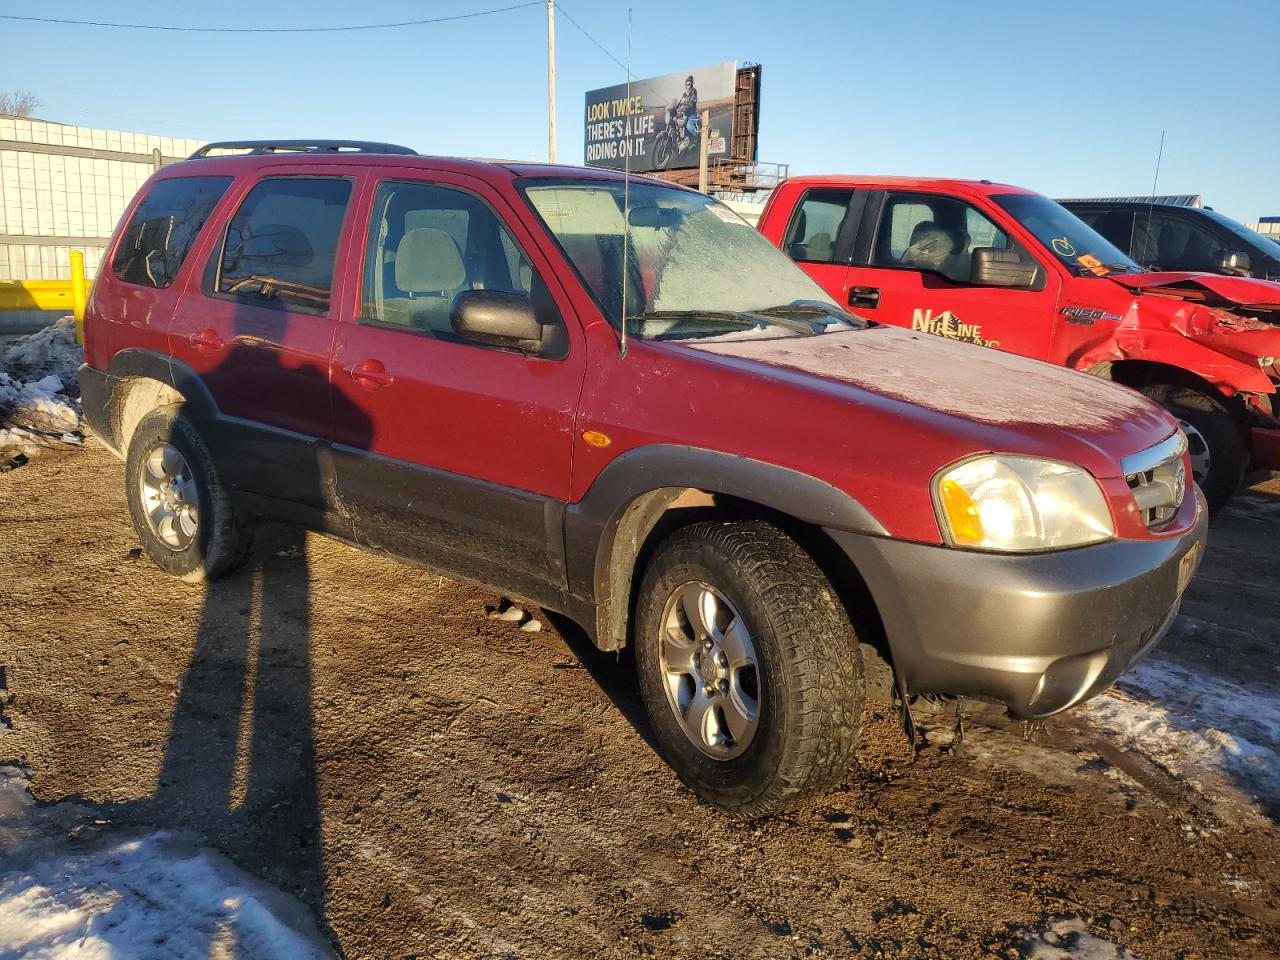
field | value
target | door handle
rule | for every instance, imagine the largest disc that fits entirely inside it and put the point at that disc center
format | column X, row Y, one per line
column 370, row 374
column 207, row 340
column 868, row 297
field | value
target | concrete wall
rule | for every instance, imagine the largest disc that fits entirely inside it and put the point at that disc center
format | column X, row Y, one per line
column 63, row 188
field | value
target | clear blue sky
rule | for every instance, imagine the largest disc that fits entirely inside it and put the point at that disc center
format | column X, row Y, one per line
column 1066, row 98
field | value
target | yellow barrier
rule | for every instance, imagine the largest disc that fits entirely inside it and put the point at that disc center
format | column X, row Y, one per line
column 36, row 295
column 79, row 293
column 70, row 295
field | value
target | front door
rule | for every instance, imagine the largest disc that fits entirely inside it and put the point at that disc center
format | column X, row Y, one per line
column 918, row 266
column 451, row 452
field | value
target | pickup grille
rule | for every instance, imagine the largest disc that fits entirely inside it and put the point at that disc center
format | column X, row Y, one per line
column 1158, row 479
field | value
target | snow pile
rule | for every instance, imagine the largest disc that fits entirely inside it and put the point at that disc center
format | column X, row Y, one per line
column 1187, row 720
column 66, row 893
column 39, row 387
column 1068, row 938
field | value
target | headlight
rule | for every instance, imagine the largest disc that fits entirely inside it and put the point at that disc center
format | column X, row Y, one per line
column 1017, row 504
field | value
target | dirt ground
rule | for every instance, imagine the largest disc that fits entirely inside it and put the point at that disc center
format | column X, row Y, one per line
column 435, row 783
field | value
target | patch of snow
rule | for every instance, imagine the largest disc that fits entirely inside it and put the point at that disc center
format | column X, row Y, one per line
column 68, row 893
column 1068, row 938
column 962, row 379
column 1188, row 720
column 50, row 351
column 39, row 380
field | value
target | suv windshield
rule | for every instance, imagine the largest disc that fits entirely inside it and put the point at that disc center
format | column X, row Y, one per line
column 1076, row 244
column 694, row 269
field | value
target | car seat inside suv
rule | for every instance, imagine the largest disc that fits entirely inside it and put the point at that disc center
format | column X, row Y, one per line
column 429, row 272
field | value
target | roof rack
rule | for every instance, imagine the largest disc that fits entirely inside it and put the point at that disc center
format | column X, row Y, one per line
column 261, row 147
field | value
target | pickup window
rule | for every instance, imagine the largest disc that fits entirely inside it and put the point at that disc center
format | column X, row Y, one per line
column 1077, row 245
column 816, row 225
column 934, row 233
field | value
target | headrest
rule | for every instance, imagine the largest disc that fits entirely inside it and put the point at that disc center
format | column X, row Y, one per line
column 427, row 260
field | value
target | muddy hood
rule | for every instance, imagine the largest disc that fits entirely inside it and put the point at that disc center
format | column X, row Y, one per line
column 1208, row 288
column 1017, row 404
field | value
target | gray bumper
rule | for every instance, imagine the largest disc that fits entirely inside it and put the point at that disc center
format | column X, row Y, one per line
column 1038, row 633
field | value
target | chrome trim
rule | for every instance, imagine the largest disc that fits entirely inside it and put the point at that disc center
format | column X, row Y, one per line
column 1172, row 447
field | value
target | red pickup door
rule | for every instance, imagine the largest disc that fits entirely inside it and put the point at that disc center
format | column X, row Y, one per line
column 1006, row 268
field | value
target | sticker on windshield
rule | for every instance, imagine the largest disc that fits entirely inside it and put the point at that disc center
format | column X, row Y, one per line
column 1093, row 264
column 947, row 324
column 1062, row 247
column 725, row 214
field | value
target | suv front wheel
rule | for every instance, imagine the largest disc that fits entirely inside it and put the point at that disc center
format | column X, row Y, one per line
column 179, row 505
column 748, row 665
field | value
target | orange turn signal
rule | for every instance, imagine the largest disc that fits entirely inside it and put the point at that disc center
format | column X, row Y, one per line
column 962, row 514
column 595, row 438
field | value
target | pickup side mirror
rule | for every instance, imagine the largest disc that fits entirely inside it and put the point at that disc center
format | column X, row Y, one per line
column 1235, row 263
column 502, row 319
column 1000, row 268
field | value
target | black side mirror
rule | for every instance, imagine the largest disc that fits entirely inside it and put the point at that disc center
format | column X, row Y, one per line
column 502, row 319
column 1235, row 263
column 1000, row 268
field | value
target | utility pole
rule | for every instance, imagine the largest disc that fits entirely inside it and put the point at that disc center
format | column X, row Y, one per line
column 702, row 151
column 551, row 81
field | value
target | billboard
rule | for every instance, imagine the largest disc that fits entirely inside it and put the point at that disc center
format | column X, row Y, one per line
column 656, row 127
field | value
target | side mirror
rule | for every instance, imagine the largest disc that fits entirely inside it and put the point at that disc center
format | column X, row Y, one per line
column 1235, row 263
column 1000, row 268
column 502, row 319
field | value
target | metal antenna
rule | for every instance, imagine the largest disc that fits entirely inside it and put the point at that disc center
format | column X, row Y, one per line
column 626, row 194
column 1146, row 237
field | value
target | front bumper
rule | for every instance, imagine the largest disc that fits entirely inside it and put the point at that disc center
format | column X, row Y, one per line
column 1038, row 633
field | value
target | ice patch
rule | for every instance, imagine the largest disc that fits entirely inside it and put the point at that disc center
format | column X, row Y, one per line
column 149, row 895
column 1068, row 938
column 39, row 377
column 1187, row 719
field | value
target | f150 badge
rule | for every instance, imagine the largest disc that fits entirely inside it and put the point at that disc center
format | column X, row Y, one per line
column 947, row 324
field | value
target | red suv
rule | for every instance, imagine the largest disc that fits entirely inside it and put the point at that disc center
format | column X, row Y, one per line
column 618, row 401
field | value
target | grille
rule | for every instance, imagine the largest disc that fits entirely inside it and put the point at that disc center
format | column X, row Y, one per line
column 1158, row 479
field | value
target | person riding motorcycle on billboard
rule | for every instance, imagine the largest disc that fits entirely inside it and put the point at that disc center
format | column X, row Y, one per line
column 684, row 111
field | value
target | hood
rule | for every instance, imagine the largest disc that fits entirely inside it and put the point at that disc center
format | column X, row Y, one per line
column 1019, row 405
column 1209, row 288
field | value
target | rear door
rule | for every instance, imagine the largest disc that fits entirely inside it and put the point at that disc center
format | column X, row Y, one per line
column 258, row 329
column 453, row 453
column 820, row 236
column 914, row 262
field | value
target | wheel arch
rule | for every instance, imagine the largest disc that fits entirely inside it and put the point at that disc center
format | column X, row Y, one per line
column 142, row 380
column 647, row 492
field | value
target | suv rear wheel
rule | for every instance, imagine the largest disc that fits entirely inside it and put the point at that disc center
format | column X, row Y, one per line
column 1217, row 450
column 748, row 665
column 180, row 508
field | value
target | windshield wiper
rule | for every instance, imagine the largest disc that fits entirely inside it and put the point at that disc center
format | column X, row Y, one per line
column 722, row 315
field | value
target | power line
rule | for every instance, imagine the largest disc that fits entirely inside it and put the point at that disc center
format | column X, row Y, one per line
column 343, row 29
column 581, row 29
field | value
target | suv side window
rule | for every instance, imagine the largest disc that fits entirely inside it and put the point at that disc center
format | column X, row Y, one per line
column 281, row 244
column 163, row 227
column 1173, row 242
column 426, row 245
column 816, row 225
column 933, row 233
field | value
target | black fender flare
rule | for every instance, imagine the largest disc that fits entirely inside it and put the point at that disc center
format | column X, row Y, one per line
column 606, row 529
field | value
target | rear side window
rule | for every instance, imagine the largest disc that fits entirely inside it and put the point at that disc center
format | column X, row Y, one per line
column 164, row 226
column 281, row 244
column 811, row 237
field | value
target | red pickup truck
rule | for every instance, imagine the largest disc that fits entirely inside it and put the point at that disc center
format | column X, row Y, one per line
column 1003, row 267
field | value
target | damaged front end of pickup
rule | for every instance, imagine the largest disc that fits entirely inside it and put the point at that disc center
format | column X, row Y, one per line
column 1217, row 332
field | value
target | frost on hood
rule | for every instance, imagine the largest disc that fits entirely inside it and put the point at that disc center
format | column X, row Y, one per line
column 960, row 379
column 39, row 392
